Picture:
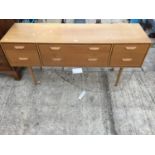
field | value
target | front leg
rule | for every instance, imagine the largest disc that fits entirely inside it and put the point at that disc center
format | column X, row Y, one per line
column 118, row 76
column 32, row 75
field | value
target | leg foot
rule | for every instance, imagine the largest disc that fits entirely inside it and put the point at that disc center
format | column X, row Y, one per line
column 16, row 76
column 111, row 69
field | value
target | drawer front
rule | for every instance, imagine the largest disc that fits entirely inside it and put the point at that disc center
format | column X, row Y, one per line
column 75, row 55
column 128, row 55
column 22, row 54
column 3, row 63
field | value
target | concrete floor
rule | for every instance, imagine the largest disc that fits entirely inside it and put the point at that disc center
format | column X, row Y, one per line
column 53, row 106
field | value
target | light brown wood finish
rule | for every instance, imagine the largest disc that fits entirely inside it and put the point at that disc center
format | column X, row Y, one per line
column 74, row 45
column 75, row 55
column 128, row 55
column 22, row 54
column 75, row 33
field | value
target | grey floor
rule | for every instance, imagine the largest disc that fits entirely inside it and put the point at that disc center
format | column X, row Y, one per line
column 53, row 106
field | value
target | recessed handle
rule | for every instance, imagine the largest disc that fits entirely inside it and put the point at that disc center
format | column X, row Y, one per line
column 127, row 59
column 94, row 48
column 57, row 59
column 130, row 47
column 92, row 59
column 19, row 47
column 23, row 59
column 55, row 48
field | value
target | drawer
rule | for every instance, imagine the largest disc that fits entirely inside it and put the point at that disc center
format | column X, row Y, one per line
column 75, row 55
column 22, row 54
column 128, row 55
column 3, row 63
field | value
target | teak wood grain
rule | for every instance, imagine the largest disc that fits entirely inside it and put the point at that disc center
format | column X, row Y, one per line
column 74, row 45
column 22, row 54
column 75, row 55
column 75, row 33
column 128, row 55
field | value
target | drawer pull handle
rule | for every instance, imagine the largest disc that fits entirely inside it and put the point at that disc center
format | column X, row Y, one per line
column 92, row 59
column 127, row 59
column 130, row 48
column 57, row 59
column 94, row 48
column 19, row 47
column 23, row 59
column 55, row 48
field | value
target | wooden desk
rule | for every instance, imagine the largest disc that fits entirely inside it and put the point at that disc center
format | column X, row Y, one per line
column 76, row 45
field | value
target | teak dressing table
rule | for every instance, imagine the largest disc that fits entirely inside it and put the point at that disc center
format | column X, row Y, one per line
column 75, row 45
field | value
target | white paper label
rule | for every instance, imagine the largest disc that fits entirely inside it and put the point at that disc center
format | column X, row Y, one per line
column 77, row 70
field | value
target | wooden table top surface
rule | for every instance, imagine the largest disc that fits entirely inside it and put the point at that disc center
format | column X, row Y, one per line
column 75, row 33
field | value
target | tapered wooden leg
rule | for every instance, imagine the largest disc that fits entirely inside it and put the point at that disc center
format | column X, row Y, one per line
column 16, row 76
column 118, row 76
column 32, row 75
column 41, row 68
column 16, row 73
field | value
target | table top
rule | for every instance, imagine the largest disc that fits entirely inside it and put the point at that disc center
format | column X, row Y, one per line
column 75, row 33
